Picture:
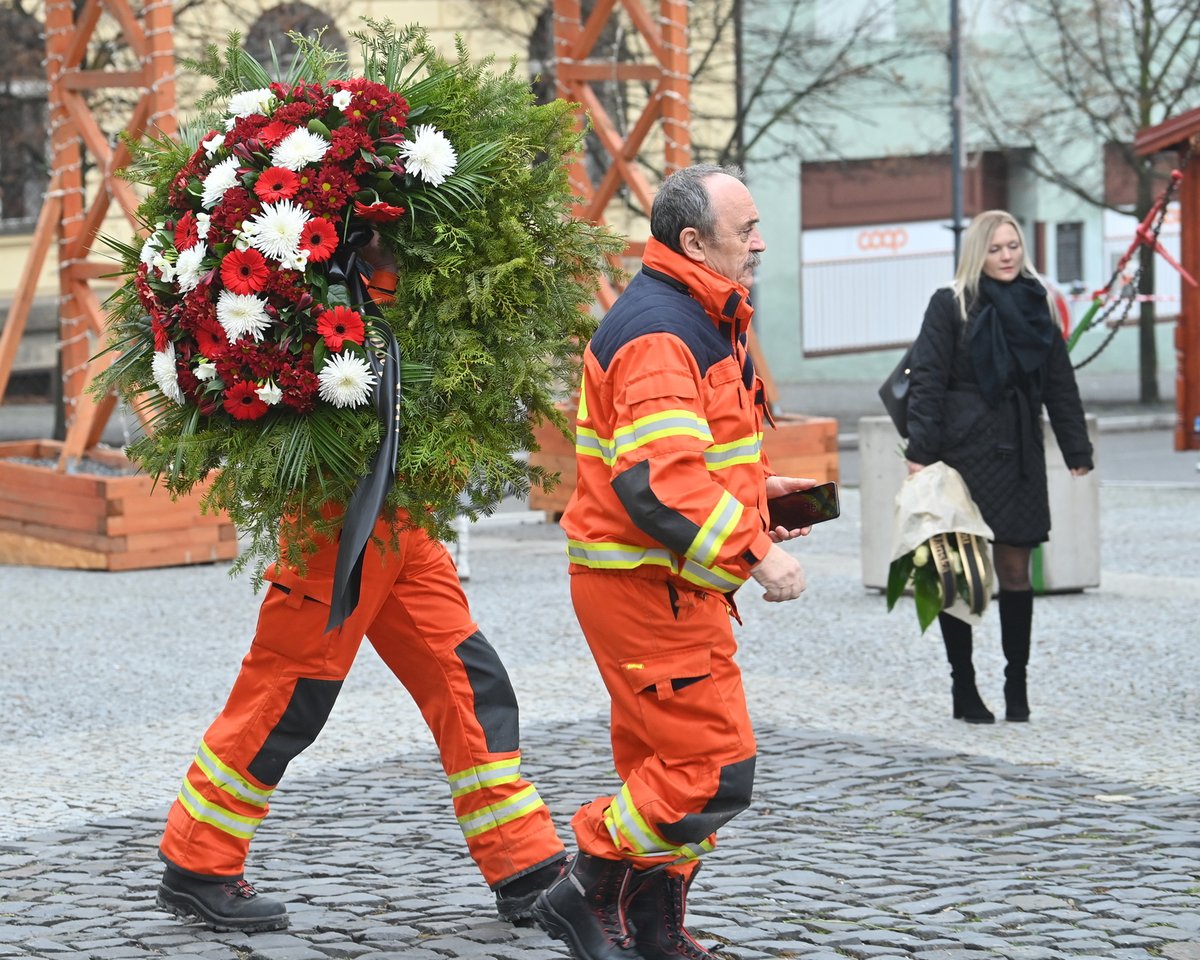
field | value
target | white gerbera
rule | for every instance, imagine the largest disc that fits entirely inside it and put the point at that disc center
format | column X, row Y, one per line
column 189, row 266
column 429, row 155
column 269, row 393
column 276, row 230
column 242, row 314
column 163, row 368
column 250, row 102
column 298, row 149
column 220, row 178
column 346, row 380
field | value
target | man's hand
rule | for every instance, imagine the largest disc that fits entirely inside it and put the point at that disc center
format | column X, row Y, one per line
column 780, row 575
column 777, row 487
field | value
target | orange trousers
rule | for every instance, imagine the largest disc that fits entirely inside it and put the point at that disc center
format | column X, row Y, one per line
column 682, row 741
column 416, row 616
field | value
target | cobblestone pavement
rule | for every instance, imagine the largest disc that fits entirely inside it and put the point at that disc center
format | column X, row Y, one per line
column 881, row 828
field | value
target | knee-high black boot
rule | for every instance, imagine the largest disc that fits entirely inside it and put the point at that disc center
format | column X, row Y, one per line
column 1016, row 623
column 968, row 705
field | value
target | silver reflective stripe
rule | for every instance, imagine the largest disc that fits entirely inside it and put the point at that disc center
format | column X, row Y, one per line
column 589, row 444
column 617, row 556
column 668, row 423
column 713, row 577
column 495, row 814
column 485, row 775
column 225, row 821
column 722, row 455
column 624, row 822
column 716, row 529
column 228, row 780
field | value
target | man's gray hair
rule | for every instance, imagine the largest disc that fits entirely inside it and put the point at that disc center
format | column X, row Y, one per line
column 683, row 201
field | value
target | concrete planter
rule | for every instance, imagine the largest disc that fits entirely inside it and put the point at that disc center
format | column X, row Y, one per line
column 1069, row 561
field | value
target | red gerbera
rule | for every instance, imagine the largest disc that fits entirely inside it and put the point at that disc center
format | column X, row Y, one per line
column 319, row 239
column 273, row 132
column 276, row 183
column 187, row 233
column 243, row 403
column 339, row 325
column 210, row 337
column 244, row 271
column 377, row 212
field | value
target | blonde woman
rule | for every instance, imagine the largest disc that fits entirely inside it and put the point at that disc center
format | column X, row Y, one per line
column 988, row 358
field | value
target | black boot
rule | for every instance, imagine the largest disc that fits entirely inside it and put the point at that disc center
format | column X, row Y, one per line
column 1016, row 625
column 229, row 904
column 656, row 912
column 586, row 908
column 968, row 705
column 514, row 898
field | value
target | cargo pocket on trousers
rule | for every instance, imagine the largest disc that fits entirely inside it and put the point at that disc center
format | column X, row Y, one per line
column 663, row 674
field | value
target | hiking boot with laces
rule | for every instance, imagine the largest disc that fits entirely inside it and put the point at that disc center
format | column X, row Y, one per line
column 656, row 911
column 515, row 897
column 586, row 908
column 228, row 904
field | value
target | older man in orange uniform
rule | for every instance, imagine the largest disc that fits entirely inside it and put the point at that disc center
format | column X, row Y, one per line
column 668, row 520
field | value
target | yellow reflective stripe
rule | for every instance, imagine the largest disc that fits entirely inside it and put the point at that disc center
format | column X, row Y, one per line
column 227, row 779
column 722, row 455
column 617, row 556
column 589, row 444
column 496, row 814
column 713, row 577
column 207, row 812
column 624, row 823
column 711, row 536
column 666, row 423
column 581, row 412
column 485, row 775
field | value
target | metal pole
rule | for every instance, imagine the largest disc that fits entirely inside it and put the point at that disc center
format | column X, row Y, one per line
column 956, row 144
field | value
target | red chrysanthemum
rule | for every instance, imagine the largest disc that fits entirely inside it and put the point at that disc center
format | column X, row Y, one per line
column 187, row 233
column 319, row 239
column 276, row 183
column 377, row 212
column 339, row 325
column 243, row 403
column 244, row 271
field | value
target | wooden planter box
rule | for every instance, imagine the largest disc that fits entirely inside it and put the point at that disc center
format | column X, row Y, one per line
column 110, row 520
column 799, row 446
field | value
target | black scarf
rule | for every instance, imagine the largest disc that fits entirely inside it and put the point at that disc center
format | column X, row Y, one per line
column 1011, row 334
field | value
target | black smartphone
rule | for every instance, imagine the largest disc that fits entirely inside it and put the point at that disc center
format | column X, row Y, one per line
column 803, row 508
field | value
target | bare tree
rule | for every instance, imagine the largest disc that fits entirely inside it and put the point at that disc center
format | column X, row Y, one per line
column 758, row 81
column 1103, row 69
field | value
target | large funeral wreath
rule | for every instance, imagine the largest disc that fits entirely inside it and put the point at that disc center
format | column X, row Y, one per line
column 244, row 324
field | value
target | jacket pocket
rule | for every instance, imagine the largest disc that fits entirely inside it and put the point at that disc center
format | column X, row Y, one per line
column 665, row 673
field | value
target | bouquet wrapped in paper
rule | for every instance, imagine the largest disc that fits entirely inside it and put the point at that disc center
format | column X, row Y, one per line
column 247, row 335
column 940, row 547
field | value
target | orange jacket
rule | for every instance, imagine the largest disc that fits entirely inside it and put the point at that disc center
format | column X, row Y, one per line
column 669, row 433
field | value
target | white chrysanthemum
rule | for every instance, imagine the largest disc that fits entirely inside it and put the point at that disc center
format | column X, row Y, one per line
column 342, row 98
column 242, row 314
column 205, row 370
column 276, row 230
column 202, row 221
column 249, row 102
column 163, row 368
column 346, row 380
column 429, row 155
column 189, row 268
column 269, row 393
column 150, row 249
column 220, row 178
column 213, row 143
column 298, row 149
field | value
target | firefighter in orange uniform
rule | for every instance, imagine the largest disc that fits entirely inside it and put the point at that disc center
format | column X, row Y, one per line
column 668, row 519
column 416, row 615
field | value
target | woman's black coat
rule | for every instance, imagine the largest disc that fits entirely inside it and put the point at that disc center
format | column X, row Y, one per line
column 998, row 450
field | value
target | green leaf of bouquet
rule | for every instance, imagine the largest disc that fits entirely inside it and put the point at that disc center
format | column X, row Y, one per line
column 316, row 126
column 899, row 572
column 929, row 602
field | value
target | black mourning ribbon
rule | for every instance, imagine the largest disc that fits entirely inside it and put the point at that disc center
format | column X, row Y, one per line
column 366, row 503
